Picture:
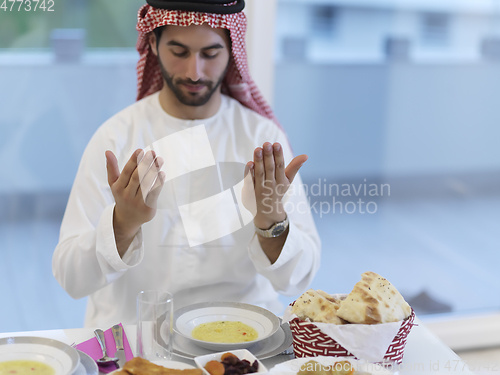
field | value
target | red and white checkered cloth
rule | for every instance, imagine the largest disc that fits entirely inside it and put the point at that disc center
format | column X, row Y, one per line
column 310, row 341
column 237, row 83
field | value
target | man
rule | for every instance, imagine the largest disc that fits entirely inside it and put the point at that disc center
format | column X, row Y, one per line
column 139, row 229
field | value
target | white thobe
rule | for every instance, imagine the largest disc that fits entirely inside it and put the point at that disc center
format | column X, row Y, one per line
column 232, row 268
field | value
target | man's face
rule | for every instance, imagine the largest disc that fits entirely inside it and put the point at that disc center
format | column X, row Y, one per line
column 193, row 61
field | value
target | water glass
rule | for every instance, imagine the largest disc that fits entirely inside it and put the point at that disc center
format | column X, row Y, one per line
column 155, row 309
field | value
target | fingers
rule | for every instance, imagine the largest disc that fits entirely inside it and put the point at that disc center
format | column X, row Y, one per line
column 273, row 163
column 264, row 166
column 144, row 165
column 127, row 172
column 294, row 166
column 259, row 172
column 249, row 168
column 152, row 197
column 269, row 162
column 280, row 164
column 135, row 180
column 148, row 180
column 112, row 167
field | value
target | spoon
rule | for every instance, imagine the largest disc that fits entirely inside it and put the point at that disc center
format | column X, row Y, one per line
column 105, row 359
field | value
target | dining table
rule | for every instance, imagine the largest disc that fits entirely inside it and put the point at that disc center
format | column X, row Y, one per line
column 425, row 353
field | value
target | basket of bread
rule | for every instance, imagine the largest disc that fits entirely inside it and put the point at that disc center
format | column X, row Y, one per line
column 371, row 323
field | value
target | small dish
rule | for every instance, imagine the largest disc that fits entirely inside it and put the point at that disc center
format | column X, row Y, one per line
column 241, row 354
column 187, row 318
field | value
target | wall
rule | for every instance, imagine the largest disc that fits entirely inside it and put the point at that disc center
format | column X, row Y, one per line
column 391, row 119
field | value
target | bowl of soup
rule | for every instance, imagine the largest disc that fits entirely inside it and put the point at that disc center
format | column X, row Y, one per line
column 28, row 355
column 225, row 325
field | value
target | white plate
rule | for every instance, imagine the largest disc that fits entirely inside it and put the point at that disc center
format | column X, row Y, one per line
column 267, row 348
column 262, row 320
column 291, row 367
column 168, row 364
column 87, row 365
column 61, row 357
column 241, row 354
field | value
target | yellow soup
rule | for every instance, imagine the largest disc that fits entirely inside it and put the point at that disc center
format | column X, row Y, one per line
column 224, row 331
column 21, row 367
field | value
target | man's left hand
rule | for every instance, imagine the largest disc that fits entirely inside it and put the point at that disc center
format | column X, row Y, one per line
column 271, row 181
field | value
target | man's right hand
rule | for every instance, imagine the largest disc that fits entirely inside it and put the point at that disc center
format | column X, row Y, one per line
column 136, row 190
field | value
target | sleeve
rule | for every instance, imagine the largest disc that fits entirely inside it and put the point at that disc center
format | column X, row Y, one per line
column 295, row 268
column 86, row 258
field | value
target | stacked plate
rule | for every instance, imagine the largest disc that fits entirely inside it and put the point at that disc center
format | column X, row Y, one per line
column 273, row 337
column 62, row 358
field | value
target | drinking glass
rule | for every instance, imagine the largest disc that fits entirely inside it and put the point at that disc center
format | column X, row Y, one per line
column 155, row 309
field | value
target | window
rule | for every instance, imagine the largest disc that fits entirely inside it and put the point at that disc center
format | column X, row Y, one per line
column 323, row 20
column 435, row 28
column 107, row 25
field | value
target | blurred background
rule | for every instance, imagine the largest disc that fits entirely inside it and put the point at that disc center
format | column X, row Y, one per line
column 395, row 102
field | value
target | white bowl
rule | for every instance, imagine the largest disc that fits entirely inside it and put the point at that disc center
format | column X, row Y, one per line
column 61, row 357
column 262, row 320
column 241, row 354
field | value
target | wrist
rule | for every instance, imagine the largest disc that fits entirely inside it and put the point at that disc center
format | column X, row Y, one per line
column 265, row 222
column 123, row 229
column 276, row 230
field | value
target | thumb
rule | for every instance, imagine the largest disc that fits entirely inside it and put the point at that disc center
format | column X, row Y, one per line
column 294, row 166
column 112, row 167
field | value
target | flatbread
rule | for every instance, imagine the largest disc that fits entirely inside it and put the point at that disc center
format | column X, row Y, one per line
column 374, row 300
column 313, row 305
column 329, row 297
column 140, row 366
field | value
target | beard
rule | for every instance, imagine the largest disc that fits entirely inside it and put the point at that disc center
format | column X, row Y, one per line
column 191, row 99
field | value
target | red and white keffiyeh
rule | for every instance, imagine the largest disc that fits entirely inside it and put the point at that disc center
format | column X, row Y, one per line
column 237, row 82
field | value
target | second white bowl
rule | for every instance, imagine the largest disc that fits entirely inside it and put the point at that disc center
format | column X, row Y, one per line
column 241, row 354
column 187, row 318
